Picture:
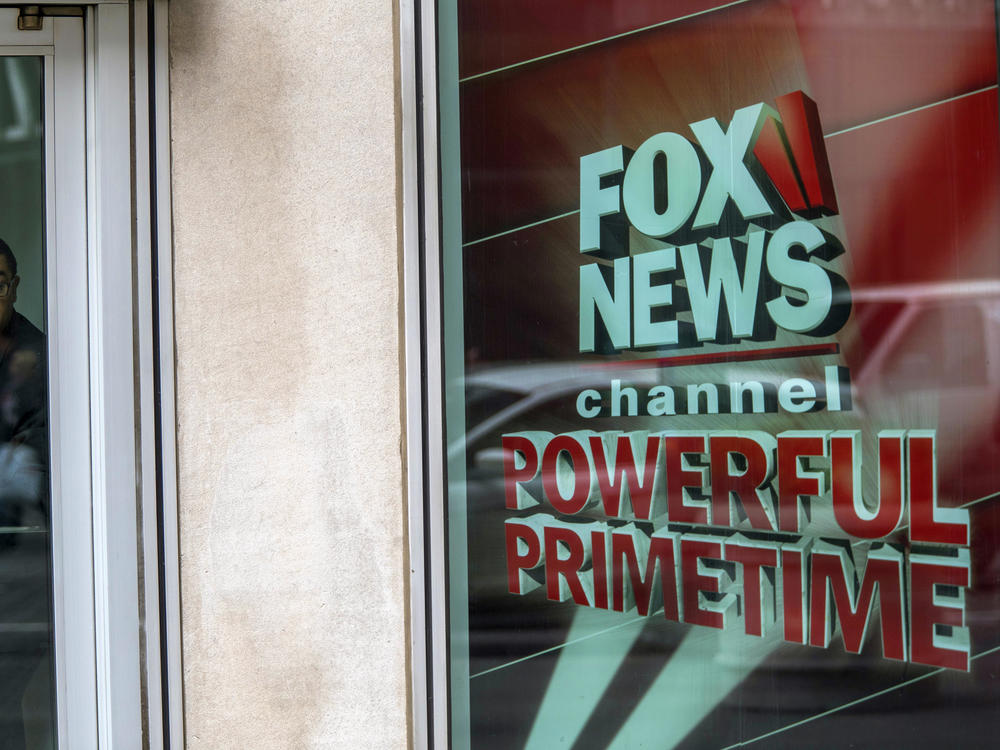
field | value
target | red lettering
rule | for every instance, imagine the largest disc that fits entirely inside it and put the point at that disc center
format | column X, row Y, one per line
column 927, row 572
column 567, row 569
column 794, row 486
column 845, row 479
column 928, row 522
column 659, row 568
column 743, row 486
column 793, row 590
column 554, row 467
column 752, row 556
column 520, row 536
column 623, row 479
column 833, row 572
column 694, row 582
column 599, row 558
column 680, row 479
column 512, row 476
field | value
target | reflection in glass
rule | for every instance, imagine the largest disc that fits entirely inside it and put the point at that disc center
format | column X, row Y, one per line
column 906, row 112
column 25, row 574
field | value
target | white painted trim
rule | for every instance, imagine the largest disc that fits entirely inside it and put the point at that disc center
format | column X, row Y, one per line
column 424, row 415
column 69, row 408
column 436, row 538
column 27, row 50
column 112, row 381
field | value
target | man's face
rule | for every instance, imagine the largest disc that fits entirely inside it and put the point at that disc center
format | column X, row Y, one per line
column 7, row 303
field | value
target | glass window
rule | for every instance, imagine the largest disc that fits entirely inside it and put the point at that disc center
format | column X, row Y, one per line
column 930, row 354
column 26, row 689
column 722, row 396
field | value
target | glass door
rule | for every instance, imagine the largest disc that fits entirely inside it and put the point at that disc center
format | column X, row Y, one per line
column 46, row 588
column 26, row 677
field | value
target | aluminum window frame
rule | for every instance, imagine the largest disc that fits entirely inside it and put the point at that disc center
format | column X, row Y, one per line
column 423, row 375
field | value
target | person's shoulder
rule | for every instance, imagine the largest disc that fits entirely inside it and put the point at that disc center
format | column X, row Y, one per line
column 26, row 334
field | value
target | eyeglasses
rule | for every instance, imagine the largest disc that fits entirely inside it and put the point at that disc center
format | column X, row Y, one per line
column 5, row 287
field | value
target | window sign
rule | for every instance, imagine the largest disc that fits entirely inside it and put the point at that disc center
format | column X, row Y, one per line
column 722, row 372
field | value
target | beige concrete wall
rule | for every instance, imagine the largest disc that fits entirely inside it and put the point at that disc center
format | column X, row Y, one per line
column 287, row 314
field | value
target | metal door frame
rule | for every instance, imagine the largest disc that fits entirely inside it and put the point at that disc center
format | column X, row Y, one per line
column 110, row 323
